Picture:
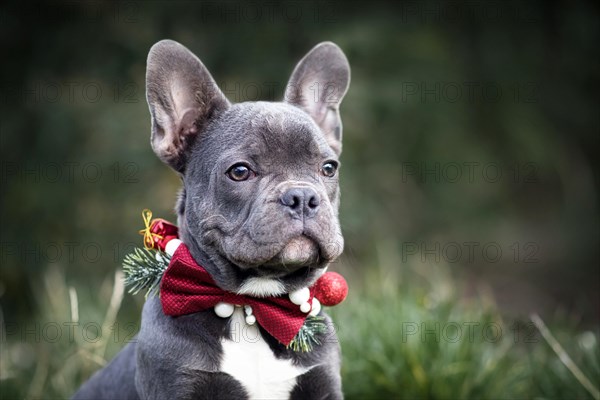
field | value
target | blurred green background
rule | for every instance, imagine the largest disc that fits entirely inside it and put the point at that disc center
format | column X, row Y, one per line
column 469, row 182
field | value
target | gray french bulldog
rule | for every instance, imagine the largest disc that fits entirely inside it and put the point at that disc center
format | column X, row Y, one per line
column 259, row 211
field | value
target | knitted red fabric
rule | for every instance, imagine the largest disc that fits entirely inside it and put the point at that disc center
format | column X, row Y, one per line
column 187, row 288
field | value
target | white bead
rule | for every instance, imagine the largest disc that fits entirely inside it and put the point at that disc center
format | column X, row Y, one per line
column 300, row 296
column 171, row 246
column 305, row 307
column 248, row 310
column 316, row 307
column 250, row 319
column 224, row 310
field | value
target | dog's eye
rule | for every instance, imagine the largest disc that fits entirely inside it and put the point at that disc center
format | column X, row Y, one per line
column 240, row 172
column 329, row 169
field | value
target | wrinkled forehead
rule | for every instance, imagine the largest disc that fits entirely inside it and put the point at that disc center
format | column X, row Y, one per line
column 264, row 129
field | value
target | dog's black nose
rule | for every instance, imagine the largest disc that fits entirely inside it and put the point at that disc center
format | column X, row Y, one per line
column 302, row 201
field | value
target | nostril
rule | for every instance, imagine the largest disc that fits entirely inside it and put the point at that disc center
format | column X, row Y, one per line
column 292, row 199
column 313, row 202
column 295, row 202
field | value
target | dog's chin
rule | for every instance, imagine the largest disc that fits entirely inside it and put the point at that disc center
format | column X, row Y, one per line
column 297, row 256
column 298, row 252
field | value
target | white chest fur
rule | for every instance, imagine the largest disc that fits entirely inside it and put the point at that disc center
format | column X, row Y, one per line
column 248, row 358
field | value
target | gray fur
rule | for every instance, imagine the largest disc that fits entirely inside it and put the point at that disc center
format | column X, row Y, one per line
column 318, row 85
column 238, row 230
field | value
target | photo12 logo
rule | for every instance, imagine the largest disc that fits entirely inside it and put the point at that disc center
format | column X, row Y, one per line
column 86, row 91
column 470, row 172
column 64, row 251
column 459, row 12
column 69, row 172
column 471, row 252
column 467, row 331
column 69, row 331
column 268, row 12
column 451, row 332
column 427, row 92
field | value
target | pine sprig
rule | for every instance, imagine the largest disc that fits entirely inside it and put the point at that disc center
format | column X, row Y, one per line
column 144, row 269
column 307, row 335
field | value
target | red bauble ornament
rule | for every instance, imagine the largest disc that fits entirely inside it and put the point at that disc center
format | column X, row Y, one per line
column 331, row 289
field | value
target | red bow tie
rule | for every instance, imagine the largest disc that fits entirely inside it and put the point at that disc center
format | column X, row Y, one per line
column 187, row 288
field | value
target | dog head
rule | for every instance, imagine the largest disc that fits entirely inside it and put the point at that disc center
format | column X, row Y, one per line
column 260, row 197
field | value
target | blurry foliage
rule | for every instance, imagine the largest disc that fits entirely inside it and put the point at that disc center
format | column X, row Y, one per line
column 408, row 334
column 542, row 56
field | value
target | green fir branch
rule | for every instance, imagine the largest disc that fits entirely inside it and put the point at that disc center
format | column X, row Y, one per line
column 144, row 270
column 306, row 337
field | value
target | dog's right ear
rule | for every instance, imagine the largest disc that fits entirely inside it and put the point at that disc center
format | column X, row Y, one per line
column 318, row 85
column 182, row 96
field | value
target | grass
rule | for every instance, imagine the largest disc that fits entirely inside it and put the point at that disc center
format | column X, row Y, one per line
column 406, row 333
column 49, row 356
column 408, row 340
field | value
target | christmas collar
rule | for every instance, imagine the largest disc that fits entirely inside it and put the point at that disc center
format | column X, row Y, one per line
column 187, row 288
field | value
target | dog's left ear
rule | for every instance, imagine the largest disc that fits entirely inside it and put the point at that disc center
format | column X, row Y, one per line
column 183, row 97
column 318, row 85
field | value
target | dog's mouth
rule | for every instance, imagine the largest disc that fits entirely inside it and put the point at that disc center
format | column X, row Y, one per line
column 297, row 256
column 298, row 252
